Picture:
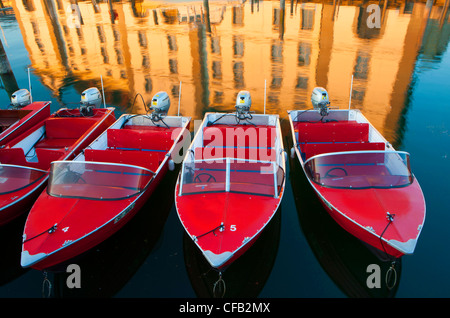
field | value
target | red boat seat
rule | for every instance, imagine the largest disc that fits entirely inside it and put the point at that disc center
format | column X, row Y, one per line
column 46, row 156
column 55, row 143
column 348, row 131
column 65, row 131
column 238, row 153
column 72, row 128
column 16, row 156
column 242, row 135
column 154, row 140
column 313, row 149
column 147, row 159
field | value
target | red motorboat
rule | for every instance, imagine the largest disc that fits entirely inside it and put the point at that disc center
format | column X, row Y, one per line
column 25, row 160
column 231, row 182
column 16, row 120
column 364, row 183
column 91, row 197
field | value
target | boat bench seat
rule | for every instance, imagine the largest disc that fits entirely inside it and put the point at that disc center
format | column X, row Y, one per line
column 147, row 159
column 56, row 143
column 16, row 156
column 242, row 135
column 238, row 153
column 70, row 128
column 153, row 140
column 46, row 156
column 312, row 149
column 347, row 131
column 64, row 132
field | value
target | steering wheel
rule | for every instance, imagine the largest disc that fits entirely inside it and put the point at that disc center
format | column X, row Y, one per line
column 197, row 178
column 327, row 175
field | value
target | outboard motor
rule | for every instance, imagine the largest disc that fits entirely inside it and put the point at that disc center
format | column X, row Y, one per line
column 243, row 104
column 160, row 105
column 320, row 100
column 20, row 98
column 90, row 99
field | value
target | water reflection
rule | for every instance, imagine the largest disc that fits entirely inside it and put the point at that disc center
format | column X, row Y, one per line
column 10, row 268
column 216, row 48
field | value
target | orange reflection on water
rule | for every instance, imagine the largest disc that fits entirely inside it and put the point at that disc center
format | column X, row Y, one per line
column 214, row 49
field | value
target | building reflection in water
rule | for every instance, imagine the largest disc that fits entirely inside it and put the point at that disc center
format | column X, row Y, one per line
column 217, row 48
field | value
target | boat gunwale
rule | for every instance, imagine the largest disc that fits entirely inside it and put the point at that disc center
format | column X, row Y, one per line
column 17, row 125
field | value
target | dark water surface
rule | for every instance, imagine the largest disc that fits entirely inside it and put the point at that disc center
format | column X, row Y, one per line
column 213, row 49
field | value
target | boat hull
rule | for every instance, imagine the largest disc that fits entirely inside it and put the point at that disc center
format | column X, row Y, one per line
column 395, row 239
column 57, row 252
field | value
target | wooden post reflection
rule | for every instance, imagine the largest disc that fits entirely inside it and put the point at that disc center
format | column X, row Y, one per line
column 443, row 17
column 207, row 18
column 6, row 73
column 111, row 12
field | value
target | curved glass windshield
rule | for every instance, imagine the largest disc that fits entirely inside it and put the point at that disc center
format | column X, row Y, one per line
column 232, row 175
column 96, row 180
column 360, row 170
column 14, row 178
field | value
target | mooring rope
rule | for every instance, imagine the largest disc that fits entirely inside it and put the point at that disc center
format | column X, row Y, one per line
column 390, row 218
column 50, row 230
column 221, row 227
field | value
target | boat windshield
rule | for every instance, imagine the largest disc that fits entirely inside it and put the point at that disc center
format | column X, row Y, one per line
column 360, row 170
column 232, row 175
column 14, row 178
column 97, row 180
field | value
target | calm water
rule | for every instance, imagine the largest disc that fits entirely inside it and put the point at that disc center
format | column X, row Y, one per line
column 212, row 50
